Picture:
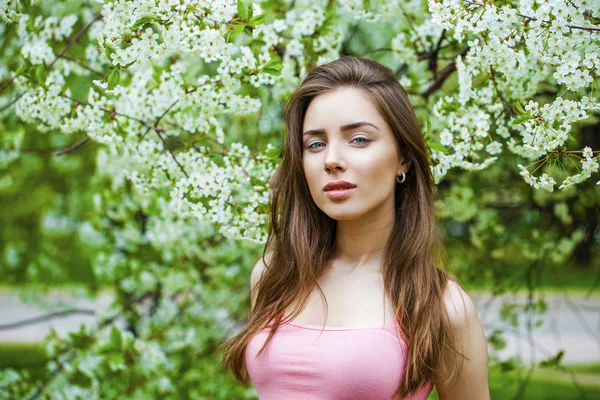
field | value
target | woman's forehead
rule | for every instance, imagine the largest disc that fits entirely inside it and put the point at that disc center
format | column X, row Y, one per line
column 341, row 107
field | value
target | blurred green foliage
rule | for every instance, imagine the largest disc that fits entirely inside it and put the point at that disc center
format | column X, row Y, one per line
column 181, row 288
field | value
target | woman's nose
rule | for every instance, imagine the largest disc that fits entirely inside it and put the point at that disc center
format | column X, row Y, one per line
column 334, row 160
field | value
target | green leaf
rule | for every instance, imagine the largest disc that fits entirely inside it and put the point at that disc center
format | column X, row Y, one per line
column 116, row 340
column 309, row 49
column 438, row 146
column 41, row 74
column 247, row 88
column 31, row 25
column 366, row 5
column 520, row 120
column 273, row 67
column 239, row 28
column 556, row 124
column 26, row 4
column 81, row 379
column 509, row 313
column 113, row 78
column 496, row 340
column 250, row 11
column 329, row 21
column 273, row 64
column 508, row 365
column 241, row 9
column 81, row 339
column 22, row 70
column 273, row 153
column 256, row 43
column 128, row 65
column 115, row 361
column 427, row 129
column 272, row 72
column 553, row 361
column 109, row 50
column 258, row 20
column 479, row 80
column 519, row 108
column 142, row 21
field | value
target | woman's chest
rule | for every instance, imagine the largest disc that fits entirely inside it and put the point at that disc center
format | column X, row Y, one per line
column 307, row 363
column 352, row 300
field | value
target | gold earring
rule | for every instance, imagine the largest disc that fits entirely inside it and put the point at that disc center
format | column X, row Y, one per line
column 403, row 178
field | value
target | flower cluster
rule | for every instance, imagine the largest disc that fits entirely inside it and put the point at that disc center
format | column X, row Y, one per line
column 512, row 51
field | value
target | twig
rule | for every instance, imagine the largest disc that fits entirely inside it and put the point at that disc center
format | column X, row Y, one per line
column 12, row 102
column 172, row 154
column 73, row 147
column 7, row 83
column 159, row 118
column 72, row 41
column 433, row 55
column 81, row 64
column 47, row 317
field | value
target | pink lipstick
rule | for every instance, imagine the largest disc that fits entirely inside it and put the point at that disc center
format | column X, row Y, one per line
column 339, row 189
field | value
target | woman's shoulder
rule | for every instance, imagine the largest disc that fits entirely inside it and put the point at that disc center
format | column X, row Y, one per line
column 258, row 269
column 459, row 304
column 257, row 272
column 464, row 375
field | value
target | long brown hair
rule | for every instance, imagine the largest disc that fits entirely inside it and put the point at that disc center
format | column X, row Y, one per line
column 301, row 237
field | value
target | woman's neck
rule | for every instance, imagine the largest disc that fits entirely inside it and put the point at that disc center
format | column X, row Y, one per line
column 362, row 242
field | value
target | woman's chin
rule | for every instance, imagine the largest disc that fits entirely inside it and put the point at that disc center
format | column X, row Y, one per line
column 339, row 214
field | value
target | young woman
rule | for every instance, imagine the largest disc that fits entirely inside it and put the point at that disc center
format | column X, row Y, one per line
column 347, row 301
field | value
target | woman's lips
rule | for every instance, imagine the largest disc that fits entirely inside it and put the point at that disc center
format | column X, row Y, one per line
column 339, row 193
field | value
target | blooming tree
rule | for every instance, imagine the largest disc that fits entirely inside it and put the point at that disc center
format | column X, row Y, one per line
column 183, row 102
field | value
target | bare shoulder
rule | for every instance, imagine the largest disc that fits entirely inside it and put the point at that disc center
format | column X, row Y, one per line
column 459, row 304
column 463, row 375
column 257, row 272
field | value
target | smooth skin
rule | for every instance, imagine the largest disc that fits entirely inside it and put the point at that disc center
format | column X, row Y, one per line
column 345, row 138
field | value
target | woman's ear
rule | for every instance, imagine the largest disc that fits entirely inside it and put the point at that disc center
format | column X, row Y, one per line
column 403, row 167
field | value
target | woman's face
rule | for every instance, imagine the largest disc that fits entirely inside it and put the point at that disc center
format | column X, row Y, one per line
column 346, row 139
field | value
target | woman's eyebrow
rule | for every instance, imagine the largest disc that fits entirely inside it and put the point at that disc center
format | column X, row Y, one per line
column 347, row 127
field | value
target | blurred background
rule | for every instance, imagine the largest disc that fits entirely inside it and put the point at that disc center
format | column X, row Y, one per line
column 110, row 290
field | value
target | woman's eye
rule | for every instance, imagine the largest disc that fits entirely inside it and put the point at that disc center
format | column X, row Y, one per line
column 361, row 140
column 312, row 145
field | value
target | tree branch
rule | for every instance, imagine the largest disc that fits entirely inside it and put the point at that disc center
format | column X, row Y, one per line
column 443, row 74
column 74, row 40
column 172, row 154
column 47, row 317
column 12, row 102
column 81, row 64
column 73, row 147
column 7, row 83
column 158, row 119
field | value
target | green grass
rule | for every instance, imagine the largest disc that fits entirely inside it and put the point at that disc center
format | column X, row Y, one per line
column 19, row 356
column 545, row 384
column 592, row 369
column 570, row 279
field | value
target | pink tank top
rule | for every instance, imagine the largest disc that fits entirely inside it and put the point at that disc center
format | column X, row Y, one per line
column 305, row 362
